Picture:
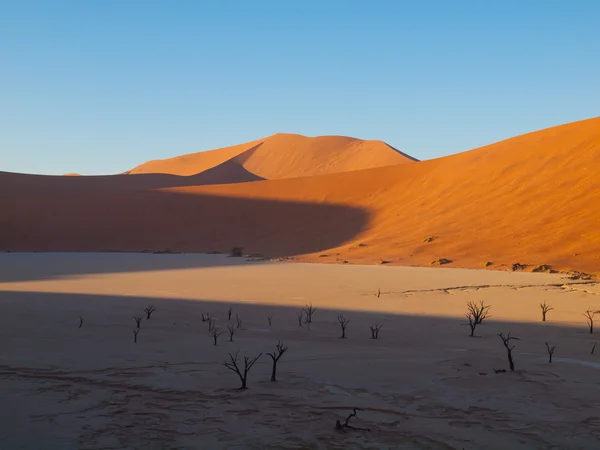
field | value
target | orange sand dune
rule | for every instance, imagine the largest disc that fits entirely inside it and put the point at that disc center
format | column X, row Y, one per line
column 530, row 199
column 281, row 156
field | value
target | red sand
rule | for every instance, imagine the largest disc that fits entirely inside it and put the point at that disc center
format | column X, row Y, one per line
column 530, row 199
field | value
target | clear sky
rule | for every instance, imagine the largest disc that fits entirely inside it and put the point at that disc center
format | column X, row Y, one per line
column 101, row 86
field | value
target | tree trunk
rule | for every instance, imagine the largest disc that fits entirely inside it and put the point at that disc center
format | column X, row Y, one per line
column 273, row 373
column 510, row 361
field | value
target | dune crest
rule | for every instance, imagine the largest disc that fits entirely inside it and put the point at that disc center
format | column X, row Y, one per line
column 281, row 156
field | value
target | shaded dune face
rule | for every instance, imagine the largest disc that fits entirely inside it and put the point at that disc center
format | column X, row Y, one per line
column 530, row 199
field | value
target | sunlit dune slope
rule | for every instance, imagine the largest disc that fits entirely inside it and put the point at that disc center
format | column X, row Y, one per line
column 281, row 156
column 531, row 199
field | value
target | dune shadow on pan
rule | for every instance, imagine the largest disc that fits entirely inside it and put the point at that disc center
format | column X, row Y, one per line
column 175, row 362
column 55, row 218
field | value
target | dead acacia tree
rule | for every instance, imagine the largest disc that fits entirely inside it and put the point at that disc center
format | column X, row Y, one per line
column 215, row 334
column 300, row 315
column 231, row 332
column 342, row 426
column 206, row 318
column 149, row 310
column 479, row 311
column 476, row 313
column 270, row 319
column 375, row 331
column 506, row 341
column 239, row 321
column 550, row 352
column 545, row 308
column 280, row 350
column 378, row 292
column 138, row 320
column 343, row 323
column 229, row 311
column 232, row 365
column 80, row 321
column 589, row 315
column 135, row 334
column 309, row 310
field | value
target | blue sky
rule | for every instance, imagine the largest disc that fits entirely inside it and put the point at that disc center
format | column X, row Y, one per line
column 101, row 86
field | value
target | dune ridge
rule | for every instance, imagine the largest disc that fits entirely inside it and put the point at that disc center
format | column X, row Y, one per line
column 281, row 156
column 529, row 199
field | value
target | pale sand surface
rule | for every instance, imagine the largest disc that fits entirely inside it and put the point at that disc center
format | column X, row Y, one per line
column 423, row 384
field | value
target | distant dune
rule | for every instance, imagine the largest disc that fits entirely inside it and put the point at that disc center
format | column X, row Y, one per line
column 531, row 199
column 280, row 156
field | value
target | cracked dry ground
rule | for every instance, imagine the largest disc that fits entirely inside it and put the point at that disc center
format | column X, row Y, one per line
column 423, row 385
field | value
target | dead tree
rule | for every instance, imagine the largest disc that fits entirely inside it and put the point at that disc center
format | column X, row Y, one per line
column 232, row 365
column 149, row 310
column 280, row 350
column 80, row 321
column 593, row 348
column 206, row 318
column 135, row 334
column 550, row 352
column 300, row 315
column 476, row 313
column 138, row 320
column 378, row 292
column 215, row 334
column 239, row 321
column 270, row 319
column 545, row 308
column 310, row 310
column 342, row 426
column 229, row 313
column 479, row 311
column 375, row 331
column 589, row 315
column 231, row 332
column 343, row 323
column 506, row 341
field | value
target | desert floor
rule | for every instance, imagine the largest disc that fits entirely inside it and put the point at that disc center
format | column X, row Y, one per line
column 423, row 384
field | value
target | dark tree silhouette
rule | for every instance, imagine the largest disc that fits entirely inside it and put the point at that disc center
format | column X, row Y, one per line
column 550, row 352
column 229, row 313
column 506, row 341
column 138, row 320
column 593, row 348
column 475, row 315
column 589, row 315
column 300, row 314
column 375, row 331
column 206, row 318
column 378, row 292
column 231, row 332
column 80, row 321
column 343, row 323
column 149, row 310
column 215, row 334
column 239, row 321
column 232, row 365
column 545, row 308
column 342, row 426
column 135, row 335
column 309, row 310
column 280, row 350
column 270, row 319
